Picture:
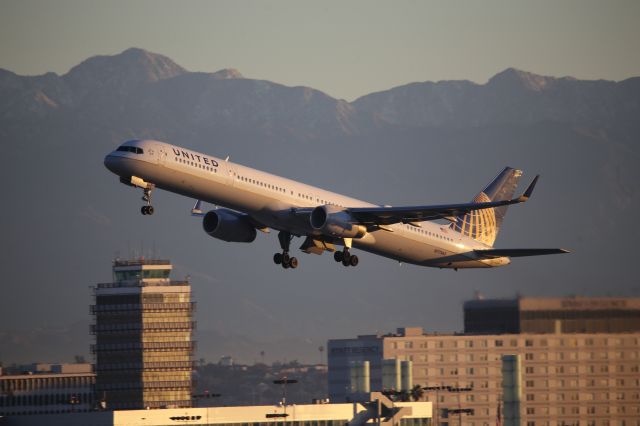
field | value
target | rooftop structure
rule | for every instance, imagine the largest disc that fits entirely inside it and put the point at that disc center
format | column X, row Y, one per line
column 143, row 330
column 552, row 315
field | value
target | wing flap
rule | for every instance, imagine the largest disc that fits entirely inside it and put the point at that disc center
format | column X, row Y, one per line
column 493, row 253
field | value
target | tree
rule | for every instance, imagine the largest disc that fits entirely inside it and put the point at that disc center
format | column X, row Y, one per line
column 417, row 393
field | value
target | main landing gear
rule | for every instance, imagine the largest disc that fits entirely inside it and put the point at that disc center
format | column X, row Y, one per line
column 346, row 258
column 148, row 209
column 283, row 258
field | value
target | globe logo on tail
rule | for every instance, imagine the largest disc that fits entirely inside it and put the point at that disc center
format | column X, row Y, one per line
column 481, row 225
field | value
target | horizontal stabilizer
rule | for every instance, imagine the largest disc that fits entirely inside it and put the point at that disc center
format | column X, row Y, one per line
column 491, row 253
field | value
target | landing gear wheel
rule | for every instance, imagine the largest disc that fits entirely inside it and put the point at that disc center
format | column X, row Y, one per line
column 346, row 257
column 146, row 210
column 338, row 256
column 283, row 258
column 353, row 260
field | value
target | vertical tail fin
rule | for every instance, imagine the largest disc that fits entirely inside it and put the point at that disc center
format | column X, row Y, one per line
column 484, row 225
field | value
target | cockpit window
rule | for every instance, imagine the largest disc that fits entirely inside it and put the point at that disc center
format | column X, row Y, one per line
column 133, row 149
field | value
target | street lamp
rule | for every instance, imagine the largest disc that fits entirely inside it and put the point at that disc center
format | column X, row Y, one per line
column 206, row 394
column 284, row 381
column 436, row 389
column 455, row 389
column 460, row 410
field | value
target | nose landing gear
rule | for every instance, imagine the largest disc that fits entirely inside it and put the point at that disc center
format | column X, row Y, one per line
column 148, row 209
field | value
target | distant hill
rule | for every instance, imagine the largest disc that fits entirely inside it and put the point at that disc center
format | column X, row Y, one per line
column 65, row 217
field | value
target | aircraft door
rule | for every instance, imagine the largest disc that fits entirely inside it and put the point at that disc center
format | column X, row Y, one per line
column 231, row 173
column 161, row 155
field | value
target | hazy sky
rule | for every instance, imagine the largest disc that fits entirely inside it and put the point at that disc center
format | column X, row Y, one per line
column 345, row 48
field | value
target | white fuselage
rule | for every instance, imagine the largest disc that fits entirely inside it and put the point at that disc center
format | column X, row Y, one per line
column 271, row 200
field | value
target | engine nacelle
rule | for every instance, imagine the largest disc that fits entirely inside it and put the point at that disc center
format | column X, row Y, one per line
column 229, row 226
column 334, row 221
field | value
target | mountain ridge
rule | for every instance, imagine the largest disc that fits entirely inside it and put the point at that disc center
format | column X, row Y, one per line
column 118, row 82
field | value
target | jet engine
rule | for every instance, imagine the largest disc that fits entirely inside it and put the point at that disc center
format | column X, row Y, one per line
column 334, row 221
column 229, row 226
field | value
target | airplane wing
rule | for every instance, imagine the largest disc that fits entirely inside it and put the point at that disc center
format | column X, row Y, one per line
column 492, row 253
column 391, row 215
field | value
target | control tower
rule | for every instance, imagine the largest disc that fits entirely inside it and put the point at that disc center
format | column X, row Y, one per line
column 143, row 328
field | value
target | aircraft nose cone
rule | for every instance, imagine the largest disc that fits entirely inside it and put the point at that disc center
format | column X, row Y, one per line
column 111, row 163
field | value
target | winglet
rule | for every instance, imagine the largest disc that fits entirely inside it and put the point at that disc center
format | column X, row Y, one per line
column 527, row 194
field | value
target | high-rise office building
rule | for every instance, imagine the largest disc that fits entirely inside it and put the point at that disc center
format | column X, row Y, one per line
column 552, row 315
column 143, row 337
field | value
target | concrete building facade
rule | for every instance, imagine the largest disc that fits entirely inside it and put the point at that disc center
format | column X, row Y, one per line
column 590, row 378
column 48, row 389
column 143, row 337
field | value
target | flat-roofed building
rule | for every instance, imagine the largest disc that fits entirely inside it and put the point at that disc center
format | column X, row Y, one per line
column 354, row 414
column 591, row 378
column 552, row 315
column 143, row 337
column 48, row 388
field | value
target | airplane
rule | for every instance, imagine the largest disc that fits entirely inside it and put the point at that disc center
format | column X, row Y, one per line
column 249, row 200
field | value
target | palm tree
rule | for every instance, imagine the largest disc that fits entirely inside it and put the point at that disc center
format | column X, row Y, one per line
column 417, row 393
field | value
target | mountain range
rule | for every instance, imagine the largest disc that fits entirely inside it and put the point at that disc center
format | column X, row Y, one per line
column 65, row 217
